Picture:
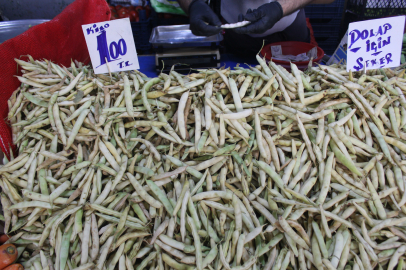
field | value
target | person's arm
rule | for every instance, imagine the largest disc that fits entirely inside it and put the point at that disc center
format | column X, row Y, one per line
column 265, row 16
column 322, row 2
column 184, row 4
column 290, row 6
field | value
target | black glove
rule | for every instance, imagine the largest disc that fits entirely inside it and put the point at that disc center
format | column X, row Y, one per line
column 262, row 18
column 200, row 14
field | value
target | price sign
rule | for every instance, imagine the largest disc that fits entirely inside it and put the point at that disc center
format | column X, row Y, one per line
column 111, row 46
column 375, row 43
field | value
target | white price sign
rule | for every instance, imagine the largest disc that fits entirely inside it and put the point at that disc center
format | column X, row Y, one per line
column 111, row 46
column 375, row 43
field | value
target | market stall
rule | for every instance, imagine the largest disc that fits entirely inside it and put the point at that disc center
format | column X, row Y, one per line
column 254, row 163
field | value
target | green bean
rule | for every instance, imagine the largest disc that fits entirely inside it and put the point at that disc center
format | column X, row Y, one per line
column 326, row 179
column 129, row 178
column 377, row 201
column 381, row 141
column 188, row 85
column 298, row 77
column 190, row 170
column 35, row 100
column 275, row 177
column 174, row 264
column 161, row 196
column 343, row 159
column 129, row 224
column 284, row 77
column 292, row 234
column 32, row 204
column 224, row 150
column 141, row 192
column 196, row 237
column 144, row 91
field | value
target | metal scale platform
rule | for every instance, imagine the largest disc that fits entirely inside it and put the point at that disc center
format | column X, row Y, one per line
column 176, row 45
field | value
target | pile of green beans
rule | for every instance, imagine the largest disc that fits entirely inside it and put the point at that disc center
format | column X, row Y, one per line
column 251, row 168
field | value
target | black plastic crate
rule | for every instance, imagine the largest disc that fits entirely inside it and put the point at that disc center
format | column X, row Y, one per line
column 328, row 44
column 327, row 33
column 370, row 9
column 331, row 11
column 161, row 19
column 141, row 32
column 330, row 28
column 326, row 23
column 361, row 10
column 327, row 29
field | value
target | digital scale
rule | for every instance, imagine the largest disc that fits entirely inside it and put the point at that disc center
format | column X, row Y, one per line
column 176, row 45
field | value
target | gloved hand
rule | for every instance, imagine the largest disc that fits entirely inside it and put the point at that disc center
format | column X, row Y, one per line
column 200, row 14
column 262, row 19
